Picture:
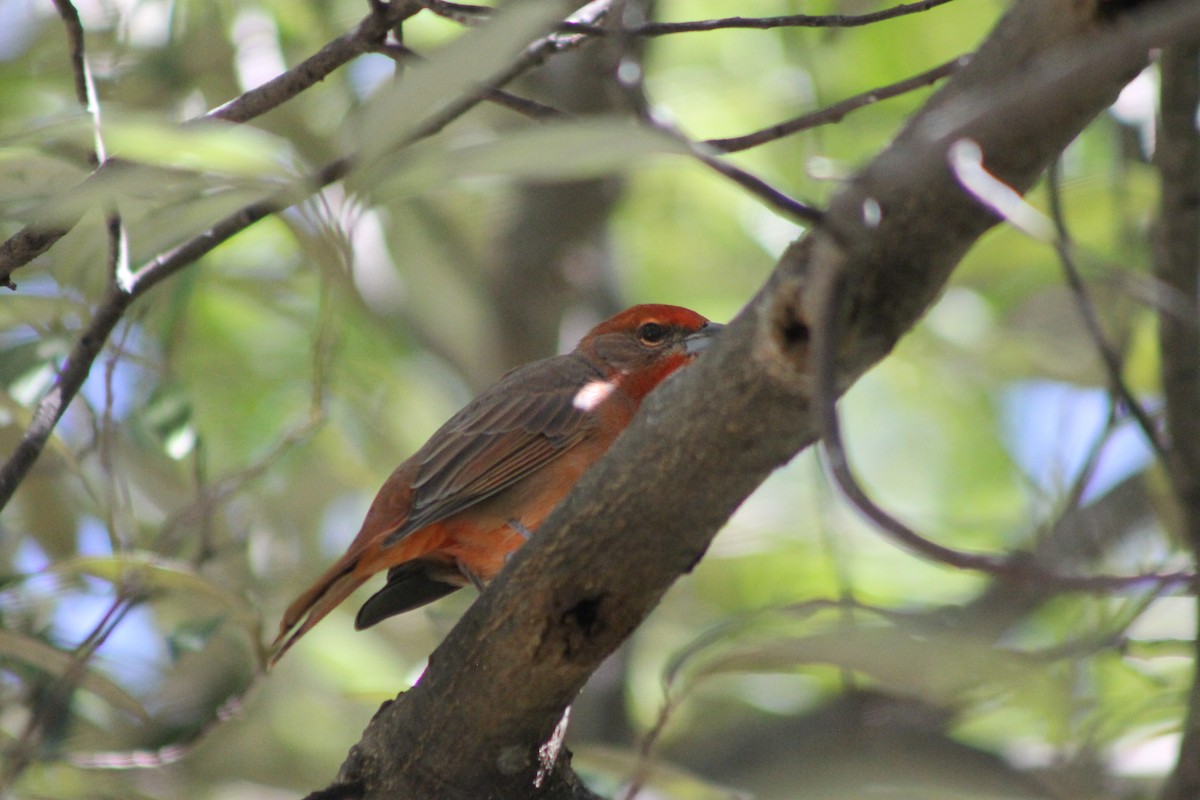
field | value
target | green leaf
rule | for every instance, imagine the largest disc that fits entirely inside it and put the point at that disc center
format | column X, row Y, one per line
column 168, row 416
column 28, row 176
column 35, row 310
column 607, row 769
column 204, row 147
column 938, row 669
column 555, row 151
column 151, row 573
column 399, row 109
column 55, row 662
column 902, row 655
column 192, row 636
column 20, row 362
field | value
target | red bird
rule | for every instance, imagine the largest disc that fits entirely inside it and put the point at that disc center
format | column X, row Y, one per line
column 453, row 512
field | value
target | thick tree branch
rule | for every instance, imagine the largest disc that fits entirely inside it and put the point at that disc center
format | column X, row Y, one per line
column 645, row 514
column 1177, row 265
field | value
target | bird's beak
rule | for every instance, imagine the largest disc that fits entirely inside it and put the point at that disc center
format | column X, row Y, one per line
column 702, row 338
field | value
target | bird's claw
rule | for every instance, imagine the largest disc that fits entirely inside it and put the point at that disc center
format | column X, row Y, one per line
column 516, row 525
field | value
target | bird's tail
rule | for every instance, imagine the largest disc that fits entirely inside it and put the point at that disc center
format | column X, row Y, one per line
column 338, row 583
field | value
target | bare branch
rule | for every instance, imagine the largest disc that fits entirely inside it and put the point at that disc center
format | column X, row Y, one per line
column 367, row 37
column 789, row 21
column 1091, row 321
column 462, row 13
column 468, row 14
column 837, row 111
column 761, row 189
column 70, row 18
column 85, row 93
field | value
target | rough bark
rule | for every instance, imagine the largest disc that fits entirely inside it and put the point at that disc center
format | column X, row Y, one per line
column 498, row 684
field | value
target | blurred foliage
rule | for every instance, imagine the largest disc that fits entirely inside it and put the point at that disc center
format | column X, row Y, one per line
column 232, row 433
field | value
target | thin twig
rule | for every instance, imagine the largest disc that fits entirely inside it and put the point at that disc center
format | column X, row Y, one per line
column 1091, row 320
column 469, row 14
column 111, row 309
column 85, row 93
column 533, row 56
column 462, row 13
column 761, row 189
column 768, row 23
column 1091, row 462
column 79, row 68
column 370, row 33
column 634, row 87
column 837, row 111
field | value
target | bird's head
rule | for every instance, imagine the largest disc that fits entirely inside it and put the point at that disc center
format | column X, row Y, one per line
column 644, row 344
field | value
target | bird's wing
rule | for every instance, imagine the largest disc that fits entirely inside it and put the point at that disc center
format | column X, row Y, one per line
column 518, row 426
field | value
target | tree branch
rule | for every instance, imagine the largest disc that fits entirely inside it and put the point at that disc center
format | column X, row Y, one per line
column 469, row 14
column 1091, row 321
column 369, row 35
column 768, row 23
column 644, row 514
column 837, row 111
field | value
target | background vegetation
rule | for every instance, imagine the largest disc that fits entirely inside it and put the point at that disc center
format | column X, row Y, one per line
column 239, row 417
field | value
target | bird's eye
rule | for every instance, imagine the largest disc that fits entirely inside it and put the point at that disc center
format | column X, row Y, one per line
column 652, row 333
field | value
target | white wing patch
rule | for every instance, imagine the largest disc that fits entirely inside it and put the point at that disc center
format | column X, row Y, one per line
column 592, row 394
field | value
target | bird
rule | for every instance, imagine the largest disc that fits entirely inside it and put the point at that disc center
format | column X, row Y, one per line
column 453, row 513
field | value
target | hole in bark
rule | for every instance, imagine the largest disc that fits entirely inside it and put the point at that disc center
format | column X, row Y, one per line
column 792, row 328
column 1108, row 10
column 796, row 333
column 585, row 615
column 340, row 791
column 572, row 633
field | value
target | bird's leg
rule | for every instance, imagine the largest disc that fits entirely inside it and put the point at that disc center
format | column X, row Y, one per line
column 475, row 580
column 516, row 525
column 526, row 534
